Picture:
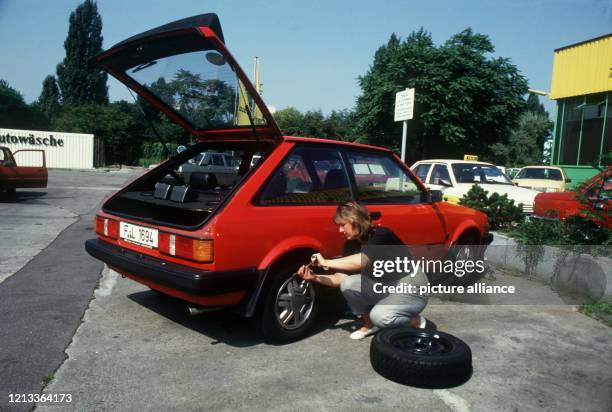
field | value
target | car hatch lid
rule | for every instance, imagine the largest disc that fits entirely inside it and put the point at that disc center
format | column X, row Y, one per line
column 184, row 69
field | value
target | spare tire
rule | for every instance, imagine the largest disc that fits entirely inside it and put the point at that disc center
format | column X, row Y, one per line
column 425, row 359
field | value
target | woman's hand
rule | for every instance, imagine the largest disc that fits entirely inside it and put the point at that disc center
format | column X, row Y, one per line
column 306, row 273
column 318, row 260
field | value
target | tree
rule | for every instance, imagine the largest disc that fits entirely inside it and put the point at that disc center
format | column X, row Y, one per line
column 338, row 125
column 466, row 100
column 49, row 101
column 121, row 133
column 78, row 83
column 526, row 144
column 526, row 141
column 15, row 113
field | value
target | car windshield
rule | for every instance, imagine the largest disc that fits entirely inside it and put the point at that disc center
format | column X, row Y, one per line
column 479, row 173
column 539, row 173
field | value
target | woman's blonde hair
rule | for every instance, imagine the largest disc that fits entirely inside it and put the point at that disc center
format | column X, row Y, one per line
column 356, row 215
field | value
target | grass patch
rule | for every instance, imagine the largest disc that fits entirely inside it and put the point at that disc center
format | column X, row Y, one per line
column 597, row 308
column 47, row 379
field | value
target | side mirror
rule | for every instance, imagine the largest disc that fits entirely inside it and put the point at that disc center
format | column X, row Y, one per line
column 568, row 180
column 434, row 196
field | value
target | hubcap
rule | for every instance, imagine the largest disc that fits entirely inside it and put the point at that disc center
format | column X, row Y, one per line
column 423, row 344
column 294, row 302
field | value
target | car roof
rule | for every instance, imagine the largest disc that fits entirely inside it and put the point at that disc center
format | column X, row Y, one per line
column 452, row 161
column 541, row 167
column 333, row 142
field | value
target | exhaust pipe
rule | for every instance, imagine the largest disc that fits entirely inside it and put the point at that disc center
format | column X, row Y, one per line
column 198, row 310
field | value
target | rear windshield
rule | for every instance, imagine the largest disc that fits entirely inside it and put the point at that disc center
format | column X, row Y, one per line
column 539, row 173
column 191, row 78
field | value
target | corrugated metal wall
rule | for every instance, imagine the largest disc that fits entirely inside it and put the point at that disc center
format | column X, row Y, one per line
column 582, row 69
column 62, row 150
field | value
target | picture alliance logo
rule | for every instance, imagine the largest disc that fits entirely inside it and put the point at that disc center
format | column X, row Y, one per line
column 32, row 140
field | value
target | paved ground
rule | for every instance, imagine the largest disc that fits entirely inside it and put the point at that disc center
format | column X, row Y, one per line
column 137, row 349
column 48, row 279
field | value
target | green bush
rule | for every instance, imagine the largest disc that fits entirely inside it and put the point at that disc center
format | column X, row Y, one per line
column 154, row 152
column 502, row 212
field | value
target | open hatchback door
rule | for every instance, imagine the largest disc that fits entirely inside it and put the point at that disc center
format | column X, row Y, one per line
column 184, row 70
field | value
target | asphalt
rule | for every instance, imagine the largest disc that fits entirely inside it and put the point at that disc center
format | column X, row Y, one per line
column 42, row 303
column 137, row 350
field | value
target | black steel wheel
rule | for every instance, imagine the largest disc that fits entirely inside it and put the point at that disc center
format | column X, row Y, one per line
column 425, row 359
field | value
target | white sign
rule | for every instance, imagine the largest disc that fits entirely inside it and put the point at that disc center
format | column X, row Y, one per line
column 404, row 105
column 62, row 150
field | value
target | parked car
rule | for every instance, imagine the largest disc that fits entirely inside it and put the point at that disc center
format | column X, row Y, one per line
column 239, row 246
column 542, row 178
column 223, row 166
column 591, row 200
column 512, row 171
column 14, row 176
column 456, row 177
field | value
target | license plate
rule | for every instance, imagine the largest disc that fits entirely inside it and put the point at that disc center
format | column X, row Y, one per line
column 137, row 234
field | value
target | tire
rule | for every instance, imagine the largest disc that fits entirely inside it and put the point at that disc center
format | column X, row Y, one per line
column 466, row 250
column 287, row 296
column 421, row 358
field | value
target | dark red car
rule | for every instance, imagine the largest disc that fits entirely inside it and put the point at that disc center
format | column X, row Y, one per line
column 13, row 176
column 591, row 200
column 238, row 245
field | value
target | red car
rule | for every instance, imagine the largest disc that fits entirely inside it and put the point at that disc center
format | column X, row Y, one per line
column 238, row 246
column 13, row 176
column 591, row 200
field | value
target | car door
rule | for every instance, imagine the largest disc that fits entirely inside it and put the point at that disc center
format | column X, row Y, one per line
column 16, row 176
column 395, row 200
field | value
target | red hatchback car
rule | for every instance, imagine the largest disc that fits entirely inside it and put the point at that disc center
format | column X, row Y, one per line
column 239, row 245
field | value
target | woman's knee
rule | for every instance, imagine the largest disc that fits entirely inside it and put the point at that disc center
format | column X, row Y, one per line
column 351, row 284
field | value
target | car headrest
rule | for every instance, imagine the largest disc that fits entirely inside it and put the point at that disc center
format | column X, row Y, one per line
column 335, row 179
column 202, row 181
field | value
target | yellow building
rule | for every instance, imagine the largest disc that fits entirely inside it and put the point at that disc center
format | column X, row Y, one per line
column 582, row 86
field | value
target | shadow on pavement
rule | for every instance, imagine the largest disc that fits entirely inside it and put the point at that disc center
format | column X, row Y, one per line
column 225, row 326
column 20, row 196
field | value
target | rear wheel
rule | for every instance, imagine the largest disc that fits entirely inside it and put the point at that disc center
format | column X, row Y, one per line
column 288, row 309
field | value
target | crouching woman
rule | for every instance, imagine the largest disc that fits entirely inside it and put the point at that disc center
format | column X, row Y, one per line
column 376, row 309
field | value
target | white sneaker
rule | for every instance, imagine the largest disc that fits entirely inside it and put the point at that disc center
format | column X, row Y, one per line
column 360, row 334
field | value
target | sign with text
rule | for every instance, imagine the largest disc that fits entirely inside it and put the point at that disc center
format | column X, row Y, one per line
column 404, row 105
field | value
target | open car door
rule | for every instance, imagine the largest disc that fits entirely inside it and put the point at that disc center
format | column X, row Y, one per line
column 14, row 176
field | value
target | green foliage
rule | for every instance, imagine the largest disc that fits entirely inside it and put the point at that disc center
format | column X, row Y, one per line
column 79, row 84
column 49, row 100
column 120, row 132
column 339, row 125
column 465, row 101
column 502, row 212
column 154, row 152
column 15, row 113
column 526, row 143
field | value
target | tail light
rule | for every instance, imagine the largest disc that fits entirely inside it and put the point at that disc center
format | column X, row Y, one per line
column 107, row 227
column 200, row 250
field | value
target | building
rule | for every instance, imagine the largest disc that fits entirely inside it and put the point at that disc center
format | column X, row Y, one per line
column 62, row 150
column 582, row 87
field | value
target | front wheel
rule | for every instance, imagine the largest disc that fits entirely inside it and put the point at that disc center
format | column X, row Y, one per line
column 289, row 308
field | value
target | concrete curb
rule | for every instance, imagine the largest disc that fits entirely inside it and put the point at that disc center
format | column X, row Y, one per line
column 582, row 274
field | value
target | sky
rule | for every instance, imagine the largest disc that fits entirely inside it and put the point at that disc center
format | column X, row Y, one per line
column 311, row 52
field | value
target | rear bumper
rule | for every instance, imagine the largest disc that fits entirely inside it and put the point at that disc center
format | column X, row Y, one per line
column 171, row 275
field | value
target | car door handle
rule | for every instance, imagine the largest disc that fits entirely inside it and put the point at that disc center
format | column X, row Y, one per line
column 375, row 215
